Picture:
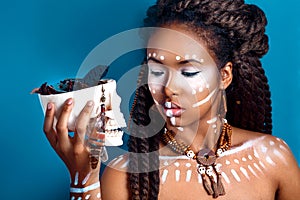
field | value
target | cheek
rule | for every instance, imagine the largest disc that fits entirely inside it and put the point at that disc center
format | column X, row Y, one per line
column 156, row 92
column 205, row 83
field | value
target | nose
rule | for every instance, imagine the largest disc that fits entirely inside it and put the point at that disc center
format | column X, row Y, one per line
column 173, row 85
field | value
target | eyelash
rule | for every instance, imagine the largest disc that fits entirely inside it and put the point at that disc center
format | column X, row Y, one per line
column 186, row 74
column 190, row 74
column 157, row 73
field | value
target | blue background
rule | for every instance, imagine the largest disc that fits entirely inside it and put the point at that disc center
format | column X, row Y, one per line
column 48, row 40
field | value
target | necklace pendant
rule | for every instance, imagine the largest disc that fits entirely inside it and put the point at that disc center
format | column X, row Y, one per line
column 206, row 157
column 190, row 153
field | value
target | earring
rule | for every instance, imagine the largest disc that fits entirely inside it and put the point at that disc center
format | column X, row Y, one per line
column 223, row 105
column 96, row 139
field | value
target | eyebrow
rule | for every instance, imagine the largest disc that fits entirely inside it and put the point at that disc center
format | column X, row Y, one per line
column 155, row 60
column 190, row 60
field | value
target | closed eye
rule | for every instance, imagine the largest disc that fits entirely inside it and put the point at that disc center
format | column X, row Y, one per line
column 156, row 72
column 190, row 74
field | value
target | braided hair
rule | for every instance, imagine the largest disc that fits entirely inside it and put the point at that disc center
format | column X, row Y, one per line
column 233, row 31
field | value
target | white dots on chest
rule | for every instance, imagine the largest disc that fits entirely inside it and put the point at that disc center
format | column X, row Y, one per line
column 250, row 157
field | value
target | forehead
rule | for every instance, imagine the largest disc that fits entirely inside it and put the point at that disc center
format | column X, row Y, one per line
column 178, row 41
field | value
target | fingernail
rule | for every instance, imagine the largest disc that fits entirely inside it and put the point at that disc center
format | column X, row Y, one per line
column 90, row 103
column 70, row 101
column 49, row 106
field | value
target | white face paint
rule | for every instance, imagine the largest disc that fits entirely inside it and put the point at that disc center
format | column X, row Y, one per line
column 173, row 121
column 183, row 75
column 205, row 100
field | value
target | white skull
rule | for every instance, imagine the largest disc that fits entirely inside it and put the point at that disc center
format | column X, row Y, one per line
column 209, row 171
column 219, row 152
column 218, row 167
column 201, row 170
column 190, row 154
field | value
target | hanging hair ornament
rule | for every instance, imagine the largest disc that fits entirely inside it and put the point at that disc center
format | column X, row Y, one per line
column 96, row 139
column 206, row 159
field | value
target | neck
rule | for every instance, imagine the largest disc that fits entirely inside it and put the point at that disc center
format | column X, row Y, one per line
column 200, row 135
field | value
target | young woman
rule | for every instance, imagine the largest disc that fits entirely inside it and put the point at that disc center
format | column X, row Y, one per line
column 182, row 145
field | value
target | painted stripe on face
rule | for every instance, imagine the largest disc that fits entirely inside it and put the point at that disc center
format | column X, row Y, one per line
column 206, row 99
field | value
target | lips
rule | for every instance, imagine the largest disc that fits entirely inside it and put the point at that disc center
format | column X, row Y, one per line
column 171, row 109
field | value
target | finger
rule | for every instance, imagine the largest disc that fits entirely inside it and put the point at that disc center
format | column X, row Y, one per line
column 48, row 124
column 82, row 122
column 62, row 123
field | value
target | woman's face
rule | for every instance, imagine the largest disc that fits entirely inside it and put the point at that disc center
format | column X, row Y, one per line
column 183, row 78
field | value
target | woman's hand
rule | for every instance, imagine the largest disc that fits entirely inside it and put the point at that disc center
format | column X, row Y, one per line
column 71, row 150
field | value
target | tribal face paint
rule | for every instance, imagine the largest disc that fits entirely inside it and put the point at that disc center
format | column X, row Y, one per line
column 183, row 78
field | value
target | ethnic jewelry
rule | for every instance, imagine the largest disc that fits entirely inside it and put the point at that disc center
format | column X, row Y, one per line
column 96, row 139
column 206, row 159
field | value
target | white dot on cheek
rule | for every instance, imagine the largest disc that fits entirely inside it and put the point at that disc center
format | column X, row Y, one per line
column 177, row 57
column 154, row 54
column 194, row 92
column 200, row 89
column 153, row 91
column 162, row 57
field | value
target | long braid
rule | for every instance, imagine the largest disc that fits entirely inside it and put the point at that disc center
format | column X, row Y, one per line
column 133, row 143
column 139, row 145
column 133, row 176
column 154, row 170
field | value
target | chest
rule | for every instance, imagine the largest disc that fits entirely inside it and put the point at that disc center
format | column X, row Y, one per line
column 179, row 179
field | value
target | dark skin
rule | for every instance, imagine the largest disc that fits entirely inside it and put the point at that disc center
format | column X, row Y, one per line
column 257, row 166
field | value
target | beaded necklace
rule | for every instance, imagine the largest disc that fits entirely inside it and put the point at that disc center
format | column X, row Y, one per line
column 206, row 158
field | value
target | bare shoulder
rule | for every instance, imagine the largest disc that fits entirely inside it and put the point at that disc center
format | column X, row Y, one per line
column 275, row 158
column 114, row 183
column 266, row 146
